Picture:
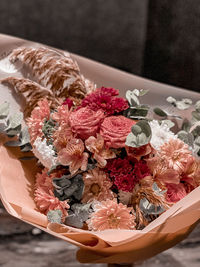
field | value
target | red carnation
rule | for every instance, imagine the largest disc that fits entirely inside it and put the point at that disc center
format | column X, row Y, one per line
column 141, row 170
column 125, row 182
column 106, row 100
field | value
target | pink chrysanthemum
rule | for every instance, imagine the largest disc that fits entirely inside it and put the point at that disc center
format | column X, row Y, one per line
column 36, row 121
column 111, row 215
column 100, row 153
column 106, row 100
column 44, row 196
column 176, row 153
column 73, row 155
column 175, row 192
column 97, row 186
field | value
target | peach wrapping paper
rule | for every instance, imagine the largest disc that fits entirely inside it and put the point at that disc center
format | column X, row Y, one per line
column 110, row 246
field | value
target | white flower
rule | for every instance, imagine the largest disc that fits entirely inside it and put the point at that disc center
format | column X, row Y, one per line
column 125, row 197
column 44, row 152
column 160, row 134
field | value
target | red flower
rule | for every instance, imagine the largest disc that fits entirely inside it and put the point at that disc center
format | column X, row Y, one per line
column 115, row 129
column 106, row 100
column 175, row 192
column 125, row 182
column 141, row 170
column 118, row 166
column 68, row 102
column 85, row 122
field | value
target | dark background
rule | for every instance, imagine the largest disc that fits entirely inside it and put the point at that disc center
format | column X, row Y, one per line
column 156, row 39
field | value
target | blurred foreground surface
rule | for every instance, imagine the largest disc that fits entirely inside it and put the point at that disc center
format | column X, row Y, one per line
column 24, row 246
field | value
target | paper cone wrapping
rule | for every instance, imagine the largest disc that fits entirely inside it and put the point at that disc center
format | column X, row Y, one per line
column 109, row 246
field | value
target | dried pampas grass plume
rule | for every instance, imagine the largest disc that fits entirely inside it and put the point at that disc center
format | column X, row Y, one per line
column 53, row 70
column 32, row 93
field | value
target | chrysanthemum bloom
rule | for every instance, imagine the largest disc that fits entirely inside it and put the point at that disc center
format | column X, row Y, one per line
column 97, row 186
column 111, row 215
column 73, row 155
column 36, row 121
column 85, row 122
column 105, row 99
column 44, row 152
column 161, row 171
column 176, row 154
column 175, row 192
column 100, row 153
column 160, row 134
column 115, row 129
column 44, row 196
column 139, row 152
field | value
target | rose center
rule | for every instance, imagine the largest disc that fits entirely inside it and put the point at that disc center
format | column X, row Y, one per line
column 95, row 189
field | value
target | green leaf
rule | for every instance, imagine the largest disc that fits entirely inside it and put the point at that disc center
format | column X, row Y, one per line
column 160, row 112
column 54, row 216
column 143, row 92
column 132, row 98
column 4, row 110
column 196, row 115
column 26, row 148
column 136, row 129
column 197, row 106
column 24, row 136
column 138, row 111
column 150, row 209
column 186, row 125
column 169, row 123
column 15, row 120
column 171, row 100
column 186, row 137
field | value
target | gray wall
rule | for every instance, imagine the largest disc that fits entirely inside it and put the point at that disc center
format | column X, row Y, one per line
column 158, row 39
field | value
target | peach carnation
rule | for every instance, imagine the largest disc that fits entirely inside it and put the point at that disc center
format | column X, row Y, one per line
column 176, row 153
column 111, row 215
column 97, row 186
column 73, row 155
column 36, row 121
column 44, row 196
column 115, row 129
column 85, row 122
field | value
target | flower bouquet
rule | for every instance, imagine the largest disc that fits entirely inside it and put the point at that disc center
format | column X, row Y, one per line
column 116, row 175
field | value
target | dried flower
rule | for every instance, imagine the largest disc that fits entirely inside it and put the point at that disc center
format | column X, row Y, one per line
column 97, row 186
column 111, row 215
column 139, row 152
column 100, row 152
column 74, row 156
column 175, row 192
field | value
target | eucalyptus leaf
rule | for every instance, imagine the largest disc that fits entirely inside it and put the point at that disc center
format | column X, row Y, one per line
column 171, row 100
column 15, row 120
column 186, row 125
column 54, row 216
column 196, row 115
column 143, row 92
column 197, row 106
column 13, row 143
column 4, row 110
column 24, row 136
column 160, row 112
column 186, row 137
column 138, row 111
column 150, row 209
column 26, row 148
column 132, row 98
column 13, row 131
column 2, row 127
column 169, row 123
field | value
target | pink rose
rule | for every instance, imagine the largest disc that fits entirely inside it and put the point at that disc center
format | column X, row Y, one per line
column 85, row 122
column 115, row 129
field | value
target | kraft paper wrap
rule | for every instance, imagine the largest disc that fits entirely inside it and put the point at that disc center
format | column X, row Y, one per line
column 110, row 246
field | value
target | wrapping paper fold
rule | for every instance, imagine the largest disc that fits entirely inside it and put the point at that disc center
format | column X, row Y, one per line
column 110, row 246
